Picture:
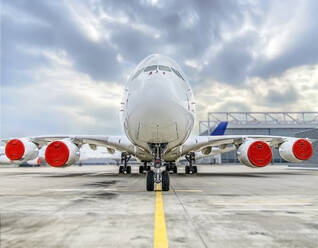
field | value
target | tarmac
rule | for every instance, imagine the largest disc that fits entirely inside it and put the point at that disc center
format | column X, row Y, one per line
column 221, row 206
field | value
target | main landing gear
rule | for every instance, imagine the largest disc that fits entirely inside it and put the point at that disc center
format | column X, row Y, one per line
column 125, row 169
column 143, row 168
column 156, row 176
column 191, row 168
column 171, row 166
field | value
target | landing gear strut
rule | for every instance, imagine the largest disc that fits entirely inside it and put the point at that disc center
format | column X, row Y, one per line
column 156, row 176
column 124, row 160
column 143, row 168
column 191, row 168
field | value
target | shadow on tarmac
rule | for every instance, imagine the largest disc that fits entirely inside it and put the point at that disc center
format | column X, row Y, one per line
column 205, row 174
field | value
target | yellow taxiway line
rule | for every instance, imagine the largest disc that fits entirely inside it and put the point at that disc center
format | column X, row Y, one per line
column 160, row 232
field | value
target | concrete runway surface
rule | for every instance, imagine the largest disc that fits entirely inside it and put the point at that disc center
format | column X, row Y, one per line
column 222, row 206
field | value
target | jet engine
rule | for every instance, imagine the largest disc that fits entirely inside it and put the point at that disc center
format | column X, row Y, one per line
column 61, row 153
column 21, row 150
column 295, row 150
column 254, row 153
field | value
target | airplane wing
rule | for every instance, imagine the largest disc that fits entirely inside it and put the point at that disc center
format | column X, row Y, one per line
column 120, row 143
column 197, row 143
column 64, row 149
column 291, row 149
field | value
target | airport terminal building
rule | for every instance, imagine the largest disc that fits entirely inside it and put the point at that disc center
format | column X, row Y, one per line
column 293, row 124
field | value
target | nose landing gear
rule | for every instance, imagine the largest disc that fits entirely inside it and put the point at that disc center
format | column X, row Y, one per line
column 165, row 183
column 150, row 181
column 156, row 176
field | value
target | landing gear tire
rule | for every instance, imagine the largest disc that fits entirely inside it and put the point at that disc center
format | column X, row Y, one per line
column 121, row 169
column 150, row 181
column 187, row 169
column 141, row 169
column 165, row 184
column 128, row 170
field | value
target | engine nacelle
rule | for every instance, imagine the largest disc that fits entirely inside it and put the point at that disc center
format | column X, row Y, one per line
column 206, row 150
column 61, row 153
column 110, row 150
column 295, row 150
column 254, row 153
column 21, row 150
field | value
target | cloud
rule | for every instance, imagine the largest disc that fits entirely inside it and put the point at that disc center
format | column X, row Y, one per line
column 293, row 43
column 64, row 63
column 52, row 26
column 294, row 90
column 61, row 101
column 278, row 97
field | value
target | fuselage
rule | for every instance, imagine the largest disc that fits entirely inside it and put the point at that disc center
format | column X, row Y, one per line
column 158, row 105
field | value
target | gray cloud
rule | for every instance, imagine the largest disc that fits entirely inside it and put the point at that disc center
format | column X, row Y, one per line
column 289, row 96
column 302, row 48
column 185, row 32
column 231, row 63
column 233, row 106
column 227, row 40
column 51, row 27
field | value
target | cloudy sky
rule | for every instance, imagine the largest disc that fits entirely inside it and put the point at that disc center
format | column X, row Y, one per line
column 64, row 63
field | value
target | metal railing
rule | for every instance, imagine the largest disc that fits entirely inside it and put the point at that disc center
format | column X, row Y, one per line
column 237, row 119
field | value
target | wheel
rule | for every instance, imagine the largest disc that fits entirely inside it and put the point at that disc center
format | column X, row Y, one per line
column 128, row 170
column 175, row 169
column 165, row 184
column 141, row 169
column 194, row 169
column 150, row 181
column 121, row 169
column 187, row 169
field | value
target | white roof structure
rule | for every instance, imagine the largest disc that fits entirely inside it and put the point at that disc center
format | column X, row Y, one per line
column 260, row 120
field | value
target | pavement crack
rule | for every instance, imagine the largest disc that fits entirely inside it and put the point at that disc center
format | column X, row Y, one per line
column 196, row 229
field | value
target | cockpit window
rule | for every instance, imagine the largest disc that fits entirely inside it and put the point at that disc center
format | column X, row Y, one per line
column 150, row 68
column 177, row 73
column 164, row 68
column 137, row 73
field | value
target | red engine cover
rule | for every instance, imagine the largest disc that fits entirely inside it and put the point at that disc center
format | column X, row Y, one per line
column 302, row 149
column 57, row 154
column 14, row 149
column 259, row 153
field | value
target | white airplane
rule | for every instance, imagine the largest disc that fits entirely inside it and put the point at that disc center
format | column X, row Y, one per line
column 158, row 114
